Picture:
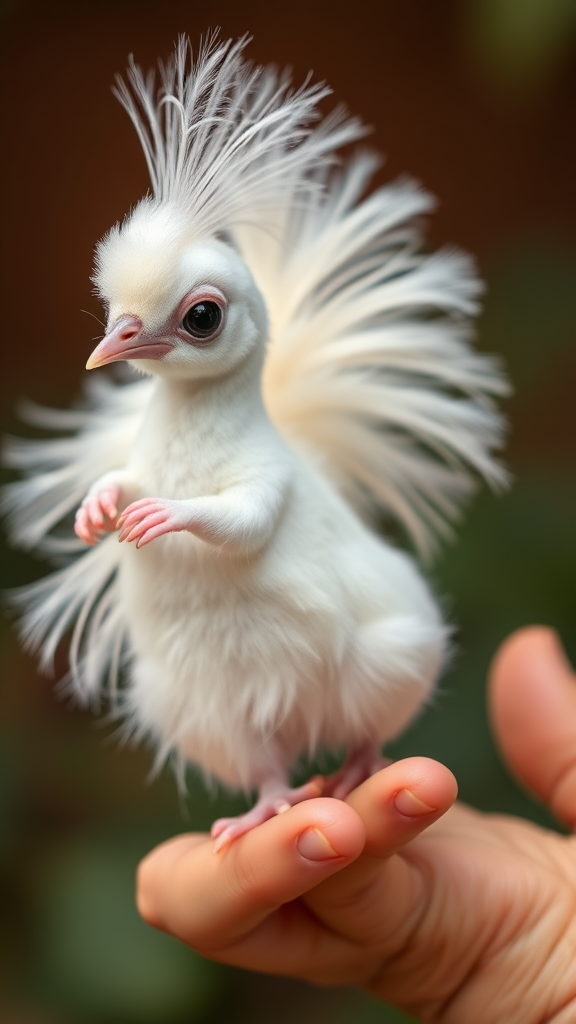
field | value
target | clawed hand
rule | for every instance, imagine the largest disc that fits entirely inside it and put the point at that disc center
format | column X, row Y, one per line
column 149, row 518
column 98, row 514
column 142, row 521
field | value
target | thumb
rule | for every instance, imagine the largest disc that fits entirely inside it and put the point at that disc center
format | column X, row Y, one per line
column 532, row 698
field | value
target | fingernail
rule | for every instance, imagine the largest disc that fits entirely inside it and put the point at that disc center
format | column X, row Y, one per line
column 313, row 845
column 410, row 805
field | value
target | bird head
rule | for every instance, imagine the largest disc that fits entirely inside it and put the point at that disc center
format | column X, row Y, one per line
column 178, row 306
column 225, row 142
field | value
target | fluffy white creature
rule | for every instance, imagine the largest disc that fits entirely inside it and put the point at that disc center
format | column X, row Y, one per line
column 306, row 370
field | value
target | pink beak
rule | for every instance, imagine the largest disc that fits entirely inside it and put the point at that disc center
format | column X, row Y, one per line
column 128, row 340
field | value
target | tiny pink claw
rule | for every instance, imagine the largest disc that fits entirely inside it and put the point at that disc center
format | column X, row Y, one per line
column 126, row 514
column 224, row 831
column 94, row 512
column 83, row 534
column 132, row 530
column 151, row 534
column 128, row 522
column 219, row 826
column 131, row 533
column 107, row 502
column 81, row 526
column 155, row 523
column 223, row 840
column 129, row 518
column 129, row 528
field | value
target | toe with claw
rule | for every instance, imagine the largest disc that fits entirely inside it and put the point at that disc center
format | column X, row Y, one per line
column 273, row 800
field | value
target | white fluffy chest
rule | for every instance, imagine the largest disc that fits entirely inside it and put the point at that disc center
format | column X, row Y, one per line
column 224, row 655
column 201, row 615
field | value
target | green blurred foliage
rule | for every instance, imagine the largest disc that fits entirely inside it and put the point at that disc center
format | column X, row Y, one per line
column 521, row 42
column 82, row 964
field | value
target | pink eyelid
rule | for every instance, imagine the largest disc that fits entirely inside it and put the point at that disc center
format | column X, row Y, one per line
column 205, row 293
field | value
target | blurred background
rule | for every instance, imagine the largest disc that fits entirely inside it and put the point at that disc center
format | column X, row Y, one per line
column 474, row 98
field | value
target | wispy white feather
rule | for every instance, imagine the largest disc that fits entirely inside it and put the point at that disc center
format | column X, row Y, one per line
column 57, row 473
column 370, row 362
column 224, row 138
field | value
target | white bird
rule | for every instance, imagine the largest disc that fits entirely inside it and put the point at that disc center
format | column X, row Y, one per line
column 307, row 370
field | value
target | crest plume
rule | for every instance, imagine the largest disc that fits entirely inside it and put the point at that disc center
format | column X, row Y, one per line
column 224, row 138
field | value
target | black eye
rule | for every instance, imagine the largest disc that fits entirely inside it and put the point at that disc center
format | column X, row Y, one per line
column 202, row 320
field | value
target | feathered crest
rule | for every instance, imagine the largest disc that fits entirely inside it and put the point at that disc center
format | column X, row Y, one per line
column 223, row 137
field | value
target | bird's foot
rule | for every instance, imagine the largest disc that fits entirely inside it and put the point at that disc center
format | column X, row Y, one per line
column 149, row 518
column 98, row 513
column 359, row 766
column 272, row 801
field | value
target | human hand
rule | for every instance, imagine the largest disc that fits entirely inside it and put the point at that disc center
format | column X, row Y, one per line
column 456, row 917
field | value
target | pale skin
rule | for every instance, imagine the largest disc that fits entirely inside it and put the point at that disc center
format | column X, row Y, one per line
column 458, row 917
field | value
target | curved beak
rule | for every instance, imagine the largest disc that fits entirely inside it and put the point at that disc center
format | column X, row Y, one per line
column 128, row 340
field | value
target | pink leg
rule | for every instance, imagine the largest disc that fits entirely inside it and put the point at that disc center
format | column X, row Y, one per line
column 360, row 765
column 274, row 798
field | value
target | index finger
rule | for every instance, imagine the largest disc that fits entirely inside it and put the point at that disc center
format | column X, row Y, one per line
column 211, row 901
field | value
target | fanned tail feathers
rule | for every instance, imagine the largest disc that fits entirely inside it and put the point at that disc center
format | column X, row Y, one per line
column 370, row 365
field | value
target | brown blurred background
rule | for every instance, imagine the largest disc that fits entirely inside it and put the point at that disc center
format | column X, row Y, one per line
column 474, row 98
